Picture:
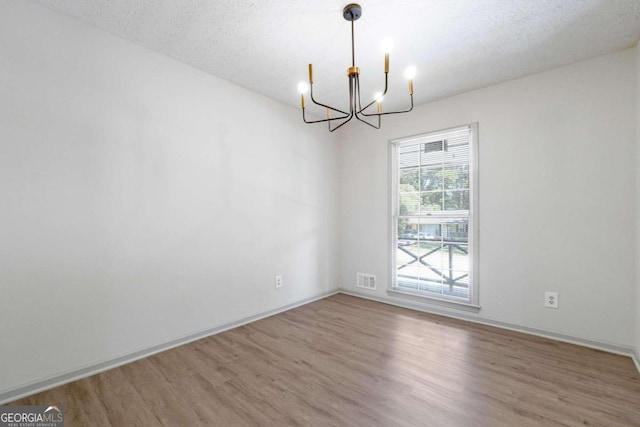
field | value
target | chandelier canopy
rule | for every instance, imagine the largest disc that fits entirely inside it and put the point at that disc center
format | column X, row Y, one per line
column 352, row 12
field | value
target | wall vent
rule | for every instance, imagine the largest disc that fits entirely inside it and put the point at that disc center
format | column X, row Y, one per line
column 366, row 281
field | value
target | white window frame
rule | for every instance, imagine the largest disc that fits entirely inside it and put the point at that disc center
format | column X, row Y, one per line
column 472, row 302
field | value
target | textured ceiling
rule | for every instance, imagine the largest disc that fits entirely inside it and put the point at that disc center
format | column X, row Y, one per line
column 456, row 45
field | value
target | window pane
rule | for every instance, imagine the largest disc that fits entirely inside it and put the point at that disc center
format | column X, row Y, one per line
column 407, row 262
column 407, row 229
column 409, row 156
column 409, row 203
column 456, row 200
column 409, row 180
column 428, row 230
column 432, row 255
column 457, row 154
column 432, row 282
column 404, row 258
column 455, row 257
column 457, row 285
column 431, row 201
column 456, row 231
column 420, row 279
column 456, row 177
column 431, row 178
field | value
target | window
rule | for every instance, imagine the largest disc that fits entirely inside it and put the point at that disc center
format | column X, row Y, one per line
column 434, row 215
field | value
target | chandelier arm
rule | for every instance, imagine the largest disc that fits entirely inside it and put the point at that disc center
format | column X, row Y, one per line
column 390, row 112
column 351, row 104
column 357, row 95
column 322, row 120
column 396, row 112
column 366, row 122
column 386, row 87
column 324, row 105
column 341, row 124
column 347, row 116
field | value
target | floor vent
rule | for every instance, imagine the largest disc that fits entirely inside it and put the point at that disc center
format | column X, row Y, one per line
column 366, row 281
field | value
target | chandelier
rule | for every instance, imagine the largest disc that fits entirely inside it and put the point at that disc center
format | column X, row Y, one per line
column 351, row 13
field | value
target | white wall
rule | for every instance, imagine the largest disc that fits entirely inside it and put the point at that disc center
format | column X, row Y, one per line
column 143, row 200
column 556, row 157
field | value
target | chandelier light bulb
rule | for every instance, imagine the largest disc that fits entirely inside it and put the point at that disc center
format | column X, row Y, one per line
column 303, row 87
column 387, row 44
column 410, row 73
column 378, row 97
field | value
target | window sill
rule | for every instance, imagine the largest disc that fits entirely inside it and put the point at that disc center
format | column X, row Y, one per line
column 462, row 306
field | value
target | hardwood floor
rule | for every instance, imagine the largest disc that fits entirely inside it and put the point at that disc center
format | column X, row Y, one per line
column 352, row 362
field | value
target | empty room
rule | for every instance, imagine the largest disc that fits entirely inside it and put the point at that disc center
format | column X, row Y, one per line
column 389, row 213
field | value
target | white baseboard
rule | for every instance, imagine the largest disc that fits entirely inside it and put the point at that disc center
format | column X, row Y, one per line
column 12, row 394
column 609, row 348
column 636, row 358
column 9, row 395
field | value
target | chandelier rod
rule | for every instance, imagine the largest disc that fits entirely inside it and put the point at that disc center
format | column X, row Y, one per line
column 353, row 46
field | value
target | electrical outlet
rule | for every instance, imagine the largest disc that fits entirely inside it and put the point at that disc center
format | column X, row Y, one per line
column 278, row 282
column 551, row 299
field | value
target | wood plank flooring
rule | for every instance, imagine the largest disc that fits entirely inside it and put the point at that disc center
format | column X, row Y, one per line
column 347, row 361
